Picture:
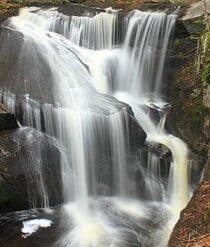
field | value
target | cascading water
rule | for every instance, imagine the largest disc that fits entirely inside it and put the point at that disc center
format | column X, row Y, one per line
column 73, row 79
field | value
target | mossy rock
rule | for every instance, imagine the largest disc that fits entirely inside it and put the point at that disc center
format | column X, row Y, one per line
column 6, row 13
column 206, row 74
column 205, row 41
column 195, row 26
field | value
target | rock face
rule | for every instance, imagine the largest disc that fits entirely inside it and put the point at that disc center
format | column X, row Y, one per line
column 12, row 193
column 189, row 118
column 197, row 9
column 10, row 197
column 18, row 161
column 7, row 119
column 187, row 90
column 21, row 173
column 193, row 227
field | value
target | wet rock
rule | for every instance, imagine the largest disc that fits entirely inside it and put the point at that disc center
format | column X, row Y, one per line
column 196, row 170
column 12, row 189
column 7, row 120
column 186, row 63
column 137, row 136
column 159, row 149
column 12, row 223
column 38, row 83
column 195, row 26
column 20, row 183
column 164, row 156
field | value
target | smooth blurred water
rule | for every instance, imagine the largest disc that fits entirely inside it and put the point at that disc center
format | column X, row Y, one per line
column 75, row 80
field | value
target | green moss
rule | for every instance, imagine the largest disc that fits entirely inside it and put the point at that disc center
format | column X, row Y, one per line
column 207, row 34
column 205, row 41
column 198, row 20
column 198, row 114
column 206, row 47
column 206, row 74
column 3, row 5
column 177, row 42
column 195, row 26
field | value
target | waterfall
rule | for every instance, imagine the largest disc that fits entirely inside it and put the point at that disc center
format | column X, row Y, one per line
column 118, row 146
column 145, row 48
column 77, row 83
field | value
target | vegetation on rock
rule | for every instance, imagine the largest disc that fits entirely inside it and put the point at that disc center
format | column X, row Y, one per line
column 206, row 74
column 187, row 95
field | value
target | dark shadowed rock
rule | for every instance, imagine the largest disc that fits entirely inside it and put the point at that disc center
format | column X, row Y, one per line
column 7, row 119
column 20, row 174
column 13, row 194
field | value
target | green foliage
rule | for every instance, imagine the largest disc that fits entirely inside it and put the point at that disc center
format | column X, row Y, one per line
column 199, row 20
column 206, row 74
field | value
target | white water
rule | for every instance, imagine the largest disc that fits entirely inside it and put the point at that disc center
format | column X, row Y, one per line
column 139, row 73
column 178, row 184
column 148, row 34
column 83, row 60
column 31, row 226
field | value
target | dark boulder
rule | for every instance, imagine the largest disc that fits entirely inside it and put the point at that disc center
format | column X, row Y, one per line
column 21, row 171
column 7, row 120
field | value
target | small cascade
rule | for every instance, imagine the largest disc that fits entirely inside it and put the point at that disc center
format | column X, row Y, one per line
column 178, row 186
column 119, row 149
column 157, row 134
column 38, row 157
column 92, row 97
column 35, row 168
column 96, row 32
column 144, row 52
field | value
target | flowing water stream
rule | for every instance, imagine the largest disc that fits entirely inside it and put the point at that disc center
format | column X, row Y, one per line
column 88, row 83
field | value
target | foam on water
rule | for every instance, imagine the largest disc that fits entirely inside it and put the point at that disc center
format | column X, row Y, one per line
column 131, row 207
column 31, row 226
column 88, row 230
